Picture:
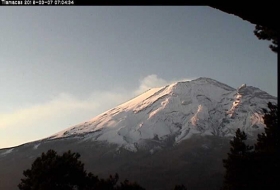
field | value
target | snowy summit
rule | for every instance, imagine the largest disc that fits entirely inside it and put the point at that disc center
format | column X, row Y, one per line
column 202, row 106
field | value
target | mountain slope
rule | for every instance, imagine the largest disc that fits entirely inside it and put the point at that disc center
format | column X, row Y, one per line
column 202, row 106
column 177, row 134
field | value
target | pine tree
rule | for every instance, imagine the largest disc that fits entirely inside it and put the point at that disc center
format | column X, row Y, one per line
column 264, row 33
column 269, row 141
column 267, row 152
column 237, row 164
column 257, row 169
column 127, row 185
column 52, row 171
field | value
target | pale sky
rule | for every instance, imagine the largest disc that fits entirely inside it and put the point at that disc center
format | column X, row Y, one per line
column 60, row 66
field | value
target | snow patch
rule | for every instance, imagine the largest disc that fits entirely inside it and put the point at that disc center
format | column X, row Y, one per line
column 194, row 119
column 235, row 103
column 36, row 146
column 202, row 106
column 130, row 147
column 241, row 87
column 7, row 152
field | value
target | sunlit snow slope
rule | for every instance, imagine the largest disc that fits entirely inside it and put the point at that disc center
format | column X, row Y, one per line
column 202, row 106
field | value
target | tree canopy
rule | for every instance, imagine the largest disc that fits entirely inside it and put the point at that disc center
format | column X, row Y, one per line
column 264, row 16
column 66, row 172
column 52, row 171
column 237, row 163
column 265, row 33
column 257, row 167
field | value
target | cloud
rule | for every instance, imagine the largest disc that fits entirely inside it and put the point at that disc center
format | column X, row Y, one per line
column 65, row 110
column 42, row 120
column 153, row 81
column 67, row 104
column 61, row 105
column 150, row 81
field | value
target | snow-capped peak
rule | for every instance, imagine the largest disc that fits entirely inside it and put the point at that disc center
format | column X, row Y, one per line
column 201, row 106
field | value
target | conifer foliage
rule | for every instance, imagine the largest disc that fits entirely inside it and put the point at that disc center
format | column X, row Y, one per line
column 267, row 152
column 51, row 171
column 264, row 33
column 237, row 163
column 255, row 168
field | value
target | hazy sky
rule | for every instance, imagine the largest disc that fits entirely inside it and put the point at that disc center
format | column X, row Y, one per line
column 60, row 66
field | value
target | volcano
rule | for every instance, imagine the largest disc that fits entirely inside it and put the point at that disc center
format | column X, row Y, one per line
column 176, row 134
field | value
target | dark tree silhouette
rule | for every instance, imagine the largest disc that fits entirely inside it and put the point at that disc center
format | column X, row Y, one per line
column 238, row 163
column 257, row 169
column 269, row 141
column 266, row 23
column 51, row 171
column 267, row 152
column 264, row 33
column 126, row 185
column 66, row 172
